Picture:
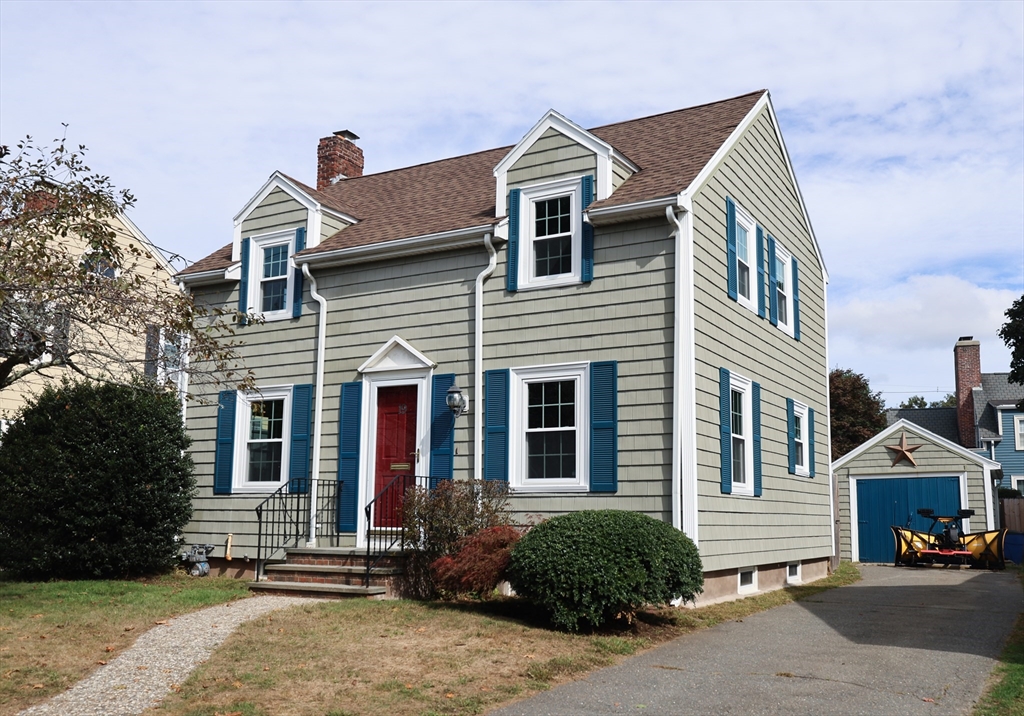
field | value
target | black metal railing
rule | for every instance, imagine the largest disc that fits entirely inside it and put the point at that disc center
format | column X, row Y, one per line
column 283, row 520
column 384, row 524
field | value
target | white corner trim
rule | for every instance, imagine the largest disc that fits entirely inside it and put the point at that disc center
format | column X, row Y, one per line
column 396, row 354
column 833, row 484
column 904, row 424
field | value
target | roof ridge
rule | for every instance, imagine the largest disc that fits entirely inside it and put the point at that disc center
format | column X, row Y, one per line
column 677, row 111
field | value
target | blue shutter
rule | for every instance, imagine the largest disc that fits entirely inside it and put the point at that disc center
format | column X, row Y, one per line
column 796, row 301
column 810, row 440
column 791, row 433
column 348, row 454
column 604, row 426
column 726, row 430
column 755, row 410
column 298, row 454
column 588, row 232
column 223, row 463
column 442, row 430
column 730, row 241
column 300, row 244
column 773, row 284
column 496, row 425
column 512, row 268
column 760, row 271
column 243, row 283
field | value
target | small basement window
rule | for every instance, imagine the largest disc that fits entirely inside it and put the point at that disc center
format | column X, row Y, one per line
column 747, row 581
column 793, row 573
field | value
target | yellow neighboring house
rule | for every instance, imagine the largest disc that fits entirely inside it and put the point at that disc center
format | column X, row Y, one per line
column 150, row 264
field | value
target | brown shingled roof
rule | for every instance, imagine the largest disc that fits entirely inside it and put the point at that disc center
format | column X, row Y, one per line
column 670, row 149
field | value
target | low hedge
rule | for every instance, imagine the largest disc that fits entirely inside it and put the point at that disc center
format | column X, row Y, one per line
column 589, row 568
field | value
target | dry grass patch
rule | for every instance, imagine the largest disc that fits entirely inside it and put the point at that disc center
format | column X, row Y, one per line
column 53, row 634
column 403, row 658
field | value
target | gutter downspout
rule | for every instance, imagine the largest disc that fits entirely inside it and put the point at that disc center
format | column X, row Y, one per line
column 684, row 397
column 318, row 402
column 478, row 362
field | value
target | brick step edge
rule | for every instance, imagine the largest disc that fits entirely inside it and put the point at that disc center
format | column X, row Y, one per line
column 332, row 569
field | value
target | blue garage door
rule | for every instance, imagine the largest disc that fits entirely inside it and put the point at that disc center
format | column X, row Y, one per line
column 883, row 503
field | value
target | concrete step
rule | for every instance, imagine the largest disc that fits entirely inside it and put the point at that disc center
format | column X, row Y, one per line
column 342, row 557
column 309, row 589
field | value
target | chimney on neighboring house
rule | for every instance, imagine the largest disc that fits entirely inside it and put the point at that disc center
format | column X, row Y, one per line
column 338, row 158
column 967, row 363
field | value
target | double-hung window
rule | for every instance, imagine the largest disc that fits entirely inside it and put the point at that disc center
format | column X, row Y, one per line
column 1018, row 431
column 800, row 430
column 551, row 230
column 262, row 439
column 740, row 434
column 270, row 285
column 550, row 437
column 746, row 273
column 781, row 285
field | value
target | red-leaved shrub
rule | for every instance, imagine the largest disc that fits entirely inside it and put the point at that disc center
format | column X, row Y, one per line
column 480, row 563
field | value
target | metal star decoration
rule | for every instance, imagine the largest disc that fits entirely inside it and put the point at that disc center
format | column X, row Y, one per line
column 903, row 451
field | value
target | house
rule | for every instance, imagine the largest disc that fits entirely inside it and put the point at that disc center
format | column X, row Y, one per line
column 635, row 315
column 149, row 263
column 966, row 452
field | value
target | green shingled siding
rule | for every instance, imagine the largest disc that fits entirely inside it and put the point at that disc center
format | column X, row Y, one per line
column 276, row 212
column 791, row 519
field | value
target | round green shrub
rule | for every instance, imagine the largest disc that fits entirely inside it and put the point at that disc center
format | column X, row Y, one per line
column 95, row 483
column 595, row 566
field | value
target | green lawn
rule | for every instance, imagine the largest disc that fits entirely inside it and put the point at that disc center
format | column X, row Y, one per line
column 53, row 634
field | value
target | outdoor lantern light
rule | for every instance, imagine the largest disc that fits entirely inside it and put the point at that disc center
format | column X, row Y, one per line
column 456, row 400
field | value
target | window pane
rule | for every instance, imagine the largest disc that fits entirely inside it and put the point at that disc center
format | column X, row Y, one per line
column 743, row 280
column 800, row 454
column 551, row 455
column 553, row 217
column 265, row 462
column 551, row 405
column 737, row 413
column 273, row 295
column 739, row 461
column 275, row 261
column 783, row 309
column 798, row 427
column 741, row 244
column 553, row 256
column 267, row 420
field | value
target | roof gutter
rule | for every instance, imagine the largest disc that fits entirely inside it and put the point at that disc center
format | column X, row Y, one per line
column 200, row 278
column 628, row 212
column 427, row 243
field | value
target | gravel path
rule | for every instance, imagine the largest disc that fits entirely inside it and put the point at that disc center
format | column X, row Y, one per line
column 165, row 655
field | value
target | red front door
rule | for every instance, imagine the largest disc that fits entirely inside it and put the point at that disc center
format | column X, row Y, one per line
column 396, row 450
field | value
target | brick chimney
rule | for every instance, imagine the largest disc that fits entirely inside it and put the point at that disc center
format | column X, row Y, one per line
column 967, row 363
column 338, row 158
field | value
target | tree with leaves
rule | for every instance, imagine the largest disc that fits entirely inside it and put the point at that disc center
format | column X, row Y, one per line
column 857, row 413
column 918, row 401
column 1012, row 333
column 78, row 293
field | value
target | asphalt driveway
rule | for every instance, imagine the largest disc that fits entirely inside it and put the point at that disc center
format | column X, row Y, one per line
column 900, row 641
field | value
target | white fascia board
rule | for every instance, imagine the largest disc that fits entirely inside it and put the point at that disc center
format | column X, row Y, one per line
column 204, row 277
column 904, row 424
column 723, row 151
column 627, row 212
column 563, row 125
column 428, row 243
column 137, row 234
column 277, row 180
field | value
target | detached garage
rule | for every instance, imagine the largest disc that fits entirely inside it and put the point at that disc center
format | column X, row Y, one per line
column 903, row 468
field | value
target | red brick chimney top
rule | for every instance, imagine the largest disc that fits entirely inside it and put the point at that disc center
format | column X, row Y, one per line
column 967, row 365
column 338, row 158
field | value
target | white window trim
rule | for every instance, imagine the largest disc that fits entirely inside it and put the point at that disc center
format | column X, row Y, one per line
column 242, row 413
column 1017, row 482
column 798, row 577
column 1017, row 443
column 748, row 223
column 744, row 386
column 786, row 259
column 256, row 246
column 800, row 411
column 520, row 378
column 749, row 588
column 527, row 226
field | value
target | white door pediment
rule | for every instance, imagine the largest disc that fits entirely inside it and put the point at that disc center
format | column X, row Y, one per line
column 394, row 355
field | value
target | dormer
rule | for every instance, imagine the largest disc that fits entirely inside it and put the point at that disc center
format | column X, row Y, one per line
column 543, row 185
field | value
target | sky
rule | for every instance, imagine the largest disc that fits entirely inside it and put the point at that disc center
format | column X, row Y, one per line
column 904, row 122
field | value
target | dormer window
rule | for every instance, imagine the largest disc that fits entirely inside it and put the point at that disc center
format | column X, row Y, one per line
column 270, row 286
column 551, row 217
